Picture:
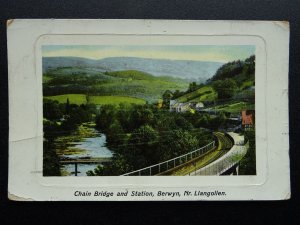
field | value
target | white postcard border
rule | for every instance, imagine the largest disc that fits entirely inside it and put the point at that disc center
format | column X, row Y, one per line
column 25, row 106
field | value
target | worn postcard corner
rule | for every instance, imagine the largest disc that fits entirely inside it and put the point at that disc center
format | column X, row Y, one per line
column 13, row 197
column 9, row 22
column 123, row 112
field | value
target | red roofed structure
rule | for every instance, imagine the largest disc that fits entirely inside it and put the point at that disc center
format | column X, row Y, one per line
column 248, row 119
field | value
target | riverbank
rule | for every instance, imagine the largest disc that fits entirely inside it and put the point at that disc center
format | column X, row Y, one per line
column 65, row 144
column 85, row 142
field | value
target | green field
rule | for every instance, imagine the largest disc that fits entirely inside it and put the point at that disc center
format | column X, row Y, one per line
column 206, row 93
column 103, row 100
column 235, row 107
column 79, row 99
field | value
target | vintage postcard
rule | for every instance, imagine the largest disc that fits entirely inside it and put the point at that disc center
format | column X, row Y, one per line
column 148, row 110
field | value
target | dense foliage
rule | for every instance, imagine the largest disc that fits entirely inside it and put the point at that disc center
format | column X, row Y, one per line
column 236, row 70
column 248, row 163
column 142, row 135
column 60, row 119
column 139, row 135
column 225, row 88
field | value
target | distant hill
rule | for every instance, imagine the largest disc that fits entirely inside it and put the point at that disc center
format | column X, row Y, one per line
column 198, row 71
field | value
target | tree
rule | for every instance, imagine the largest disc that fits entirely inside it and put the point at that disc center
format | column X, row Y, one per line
column 225, row 89
column 177, row 94
column 115, row 135
column 250, row 64
column 217, row 121
column 143, row 146
column 51, row 165
column 87, row 97
column 51, row 110
column 192, row 87
column 91, row 108
column 235, row 69
column 123, row 116
column 182, row 123
column 77, row 115
column 176, row 143
column 106, row 117
column 167, row 95
column 117, row 167
column 68, row 107
column 203, row 121
column 141, row 115
column 146, row 116
column 248, row 163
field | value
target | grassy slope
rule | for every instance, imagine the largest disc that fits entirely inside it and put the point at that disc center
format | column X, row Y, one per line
column 204, row 93
column 129, row 83
column 207, row 93
column 142, row 85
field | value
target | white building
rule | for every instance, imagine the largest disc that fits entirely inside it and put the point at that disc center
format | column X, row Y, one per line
column 184, row 107
column 199, row 105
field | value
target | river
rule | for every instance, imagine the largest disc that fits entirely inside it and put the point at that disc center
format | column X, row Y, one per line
column 91, row 147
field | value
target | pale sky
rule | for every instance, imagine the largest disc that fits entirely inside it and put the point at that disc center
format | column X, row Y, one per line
column 215, row 53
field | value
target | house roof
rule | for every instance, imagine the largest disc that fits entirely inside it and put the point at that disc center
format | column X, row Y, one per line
column 247, row 117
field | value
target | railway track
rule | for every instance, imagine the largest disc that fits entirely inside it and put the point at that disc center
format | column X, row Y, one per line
column 223, row 146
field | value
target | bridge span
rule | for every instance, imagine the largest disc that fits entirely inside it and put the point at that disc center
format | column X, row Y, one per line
column 77, row 161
